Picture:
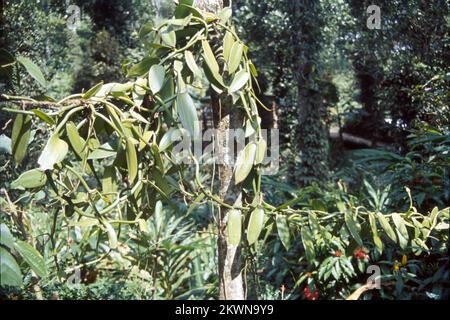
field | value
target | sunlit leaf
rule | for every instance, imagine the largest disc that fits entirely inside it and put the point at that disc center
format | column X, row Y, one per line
column 33, row 70
column 187, row 113
column 31, row 179
column 10, row 274
column 54, row 152
column 32, row 257
column 156, row 78
column 240, row 80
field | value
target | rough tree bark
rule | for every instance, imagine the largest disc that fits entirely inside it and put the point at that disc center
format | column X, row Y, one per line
column 225, row 120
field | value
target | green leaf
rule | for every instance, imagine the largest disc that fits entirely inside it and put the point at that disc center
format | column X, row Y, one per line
column 239, row 81
column 352, row 227
column 209, row 57
column 166, row 140
column 235, row 57
column 169, row 37
column 54, row 152
column 33, row 70
column 93, row 91
column 308, row 243
column 190, row 60
column 187, row 113
column 228, row 42
column 6, row 238
column 20, row 137
column 112, row 236
column 103, row 152
column 142, row 67
column 255, row 225
column 10, row 274
column 402, row 232
column 43, row 116
column 34, row 178
column 182, row 10
column 283, row 230
column 376, row 238
column 78, row 144
column 32, row 257
column 145, row 30
column 213, row 77
column 132, row 162
column 156, row 78
column 234, row 227
column 386, row 226
column 225, row 14
column 244, row 162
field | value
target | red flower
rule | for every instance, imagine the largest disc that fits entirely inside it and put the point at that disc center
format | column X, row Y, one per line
column 337, row 253
column 360, row 253
column 436, row 181
column 311, row 295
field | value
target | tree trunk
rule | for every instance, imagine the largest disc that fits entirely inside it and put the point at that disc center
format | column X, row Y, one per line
column 226, row 119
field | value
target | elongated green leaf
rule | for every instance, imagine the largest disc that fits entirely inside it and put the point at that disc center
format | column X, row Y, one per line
column 239, row 81
column 43, row 116
column 210, row 57
column 308, row 243
column 156, row 78
column 190, row 60
column 54, row 152
column 386, row 226
column 166, row 140
column 112, row 236
column 34, row 178
column 255, row 225
column 235, row 57
column 142, row 67
column 103, row 152
column 402, row 232
column 20, row 137
column 32, row 257
column 244, row 162
column 6, row 238
column 10, row 274
column 228, row 42
column 33, row 70
column 376, row 238
column 234, row 227
column 93, row 91
column 78, row 143
column 353, row 227
column 187, row 113
column 214, row 78
column 283, row 231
